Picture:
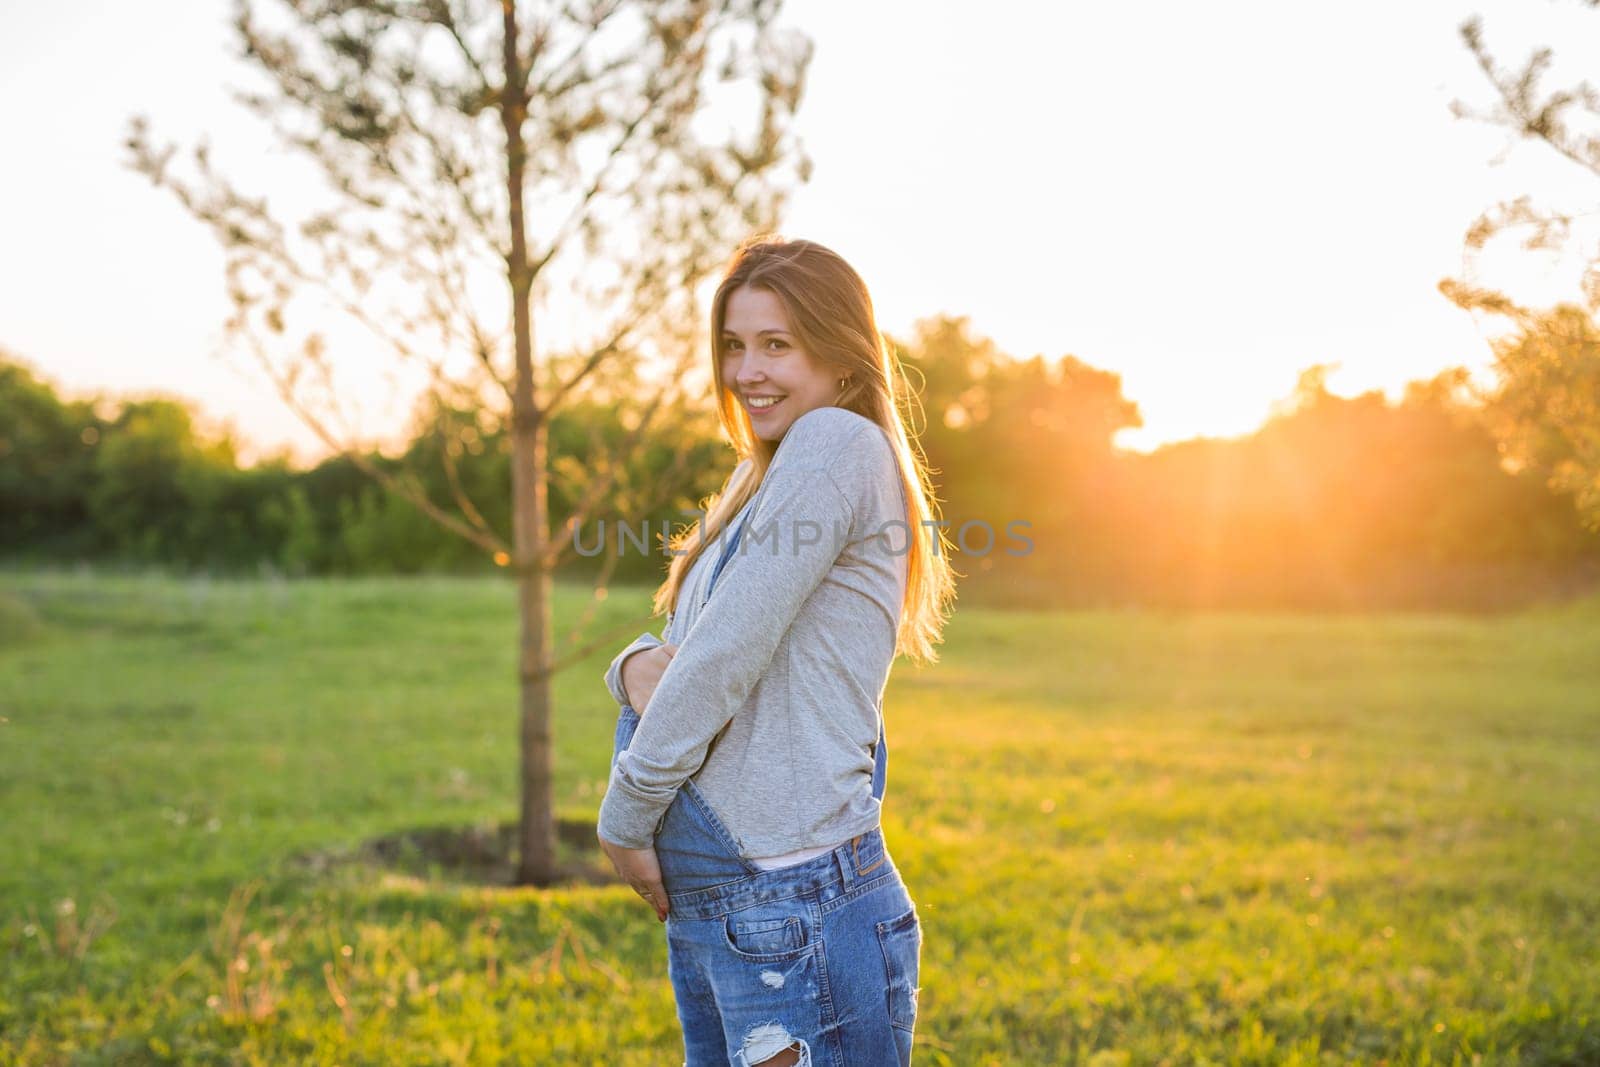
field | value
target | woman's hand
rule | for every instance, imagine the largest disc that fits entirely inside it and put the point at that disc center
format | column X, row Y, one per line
column 642, row 671
column 639, row 866
column 640, row 869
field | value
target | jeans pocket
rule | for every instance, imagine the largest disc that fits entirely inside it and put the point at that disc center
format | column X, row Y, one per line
column 767, row 934
column 901, row 941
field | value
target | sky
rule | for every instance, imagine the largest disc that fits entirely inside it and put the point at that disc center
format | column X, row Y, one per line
column 1203, row 199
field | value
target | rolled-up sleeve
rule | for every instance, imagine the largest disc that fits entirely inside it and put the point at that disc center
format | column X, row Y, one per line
column 800, row 525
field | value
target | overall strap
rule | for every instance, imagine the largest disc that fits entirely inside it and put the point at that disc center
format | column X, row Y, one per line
column 727, row 551
column 880, row 759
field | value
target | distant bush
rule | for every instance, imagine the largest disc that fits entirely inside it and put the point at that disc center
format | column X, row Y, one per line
column 1334, row 502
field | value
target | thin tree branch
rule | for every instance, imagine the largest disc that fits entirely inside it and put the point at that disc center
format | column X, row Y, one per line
column 462, row 499
column 482, row 538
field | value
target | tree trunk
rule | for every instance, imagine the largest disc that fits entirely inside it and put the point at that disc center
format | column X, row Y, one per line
column 529, row 505
column 537, row 829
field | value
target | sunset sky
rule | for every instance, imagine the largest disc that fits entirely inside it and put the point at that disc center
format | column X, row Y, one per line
column 1204, row 199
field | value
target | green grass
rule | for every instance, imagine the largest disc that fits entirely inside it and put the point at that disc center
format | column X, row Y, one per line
column 1132, row 838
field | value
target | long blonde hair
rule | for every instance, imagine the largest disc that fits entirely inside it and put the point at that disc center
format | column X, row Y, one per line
column 830, row 313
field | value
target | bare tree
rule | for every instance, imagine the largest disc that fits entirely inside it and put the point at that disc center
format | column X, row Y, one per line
column 554, row 151
column 1546, row 405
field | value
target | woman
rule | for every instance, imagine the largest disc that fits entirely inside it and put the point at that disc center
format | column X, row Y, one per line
column 748, row 773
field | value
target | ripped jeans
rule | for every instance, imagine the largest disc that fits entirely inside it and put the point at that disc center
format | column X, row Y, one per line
column 820, row 958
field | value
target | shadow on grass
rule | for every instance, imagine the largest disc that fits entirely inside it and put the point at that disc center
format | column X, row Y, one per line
column 477, row 854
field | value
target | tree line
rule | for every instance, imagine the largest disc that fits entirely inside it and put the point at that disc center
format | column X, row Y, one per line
column 1334, row 502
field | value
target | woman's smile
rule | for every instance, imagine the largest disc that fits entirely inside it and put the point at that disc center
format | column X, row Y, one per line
column 760, row 404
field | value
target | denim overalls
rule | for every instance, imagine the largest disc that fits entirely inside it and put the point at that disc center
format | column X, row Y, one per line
column 821, row 956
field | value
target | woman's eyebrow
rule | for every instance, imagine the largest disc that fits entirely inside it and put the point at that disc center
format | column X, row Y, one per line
column 730, row 333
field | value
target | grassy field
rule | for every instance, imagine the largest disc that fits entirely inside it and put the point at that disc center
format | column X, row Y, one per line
column 1133, row 838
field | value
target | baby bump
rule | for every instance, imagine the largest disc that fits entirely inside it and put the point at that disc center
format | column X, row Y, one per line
column 694, row 847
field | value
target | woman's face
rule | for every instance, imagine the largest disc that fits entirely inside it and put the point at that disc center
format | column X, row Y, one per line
column 761, row 358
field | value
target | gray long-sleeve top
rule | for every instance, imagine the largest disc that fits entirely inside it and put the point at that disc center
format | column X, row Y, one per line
column 771, row 701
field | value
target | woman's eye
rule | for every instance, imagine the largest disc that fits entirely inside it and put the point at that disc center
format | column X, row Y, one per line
column 780, row 343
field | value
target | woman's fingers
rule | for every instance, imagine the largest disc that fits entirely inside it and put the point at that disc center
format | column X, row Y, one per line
column 641, row 870
column 650, row 869
column 654, row 894
column 653, row 664
column 649, row 688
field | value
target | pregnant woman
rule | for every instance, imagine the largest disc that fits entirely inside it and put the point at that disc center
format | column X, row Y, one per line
column 750, row 760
